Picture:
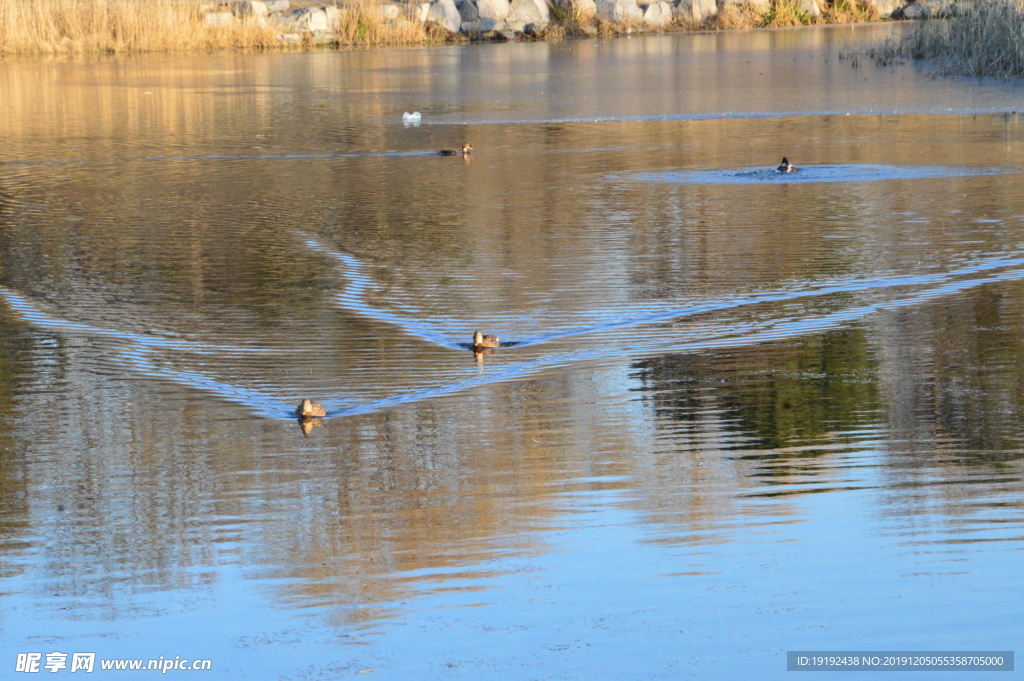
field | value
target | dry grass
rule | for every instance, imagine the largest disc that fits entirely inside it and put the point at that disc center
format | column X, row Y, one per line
column 115, row 26
column 568, row 21
column 985, row 38
column 731, row 17
column 788, row 13
column 363, row 25
column 848, row 12
column 69, row 26
column 608, row 29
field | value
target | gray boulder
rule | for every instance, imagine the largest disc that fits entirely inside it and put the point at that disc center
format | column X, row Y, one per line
column 492, row 9
column 762, row 5
column 482, row 28
column 333, row 17
column 307, row 20
column 389, row 12
column 249, row 8
column 512, row 25
column 696, row 11
column 468, row 12
column 810, row 7
column 885, row 8
column 657, row 13
column 544, row 9
column 619, row 10
column 927, row 9
column 528, row 12
column 277, row 6
column 444, row 13
column 911, row 11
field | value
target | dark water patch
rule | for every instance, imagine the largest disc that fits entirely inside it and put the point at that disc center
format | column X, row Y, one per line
column 815, row 173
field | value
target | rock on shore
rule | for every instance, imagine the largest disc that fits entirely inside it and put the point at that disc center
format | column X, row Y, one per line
column 505, row 19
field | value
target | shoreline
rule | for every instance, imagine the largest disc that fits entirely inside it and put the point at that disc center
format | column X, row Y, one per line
column 94, row 27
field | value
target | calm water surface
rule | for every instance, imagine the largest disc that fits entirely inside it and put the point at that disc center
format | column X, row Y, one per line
column 740, row 413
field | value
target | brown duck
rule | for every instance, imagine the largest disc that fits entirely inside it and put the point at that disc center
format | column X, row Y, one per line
column 481, row 341
column 467, row 149
column 310, row 409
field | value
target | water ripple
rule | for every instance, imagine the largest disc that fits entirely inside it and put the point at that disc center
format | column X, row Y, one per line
column 145, row 354
column 813, row 173
column 32, row 313
column 353, row 299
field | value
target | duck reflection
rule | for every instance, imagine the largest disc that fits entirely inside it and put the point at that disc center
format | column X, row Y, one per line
column 308, row 425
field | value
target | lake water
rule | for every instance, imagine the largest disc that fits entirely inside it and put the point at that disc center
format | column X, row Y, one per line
column 739, row 412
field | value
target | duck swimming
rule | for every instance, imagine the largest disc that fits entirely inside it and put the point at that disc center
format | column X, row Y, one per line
column 786, row 166
column 467, row 149
column 310, row 409
column 481, row 341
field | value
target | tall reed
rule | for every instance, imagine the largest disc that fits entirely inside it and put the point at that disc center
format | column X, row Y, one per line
column 68, row 26
column 89, row 26
column 362, row 24
column 984, row 38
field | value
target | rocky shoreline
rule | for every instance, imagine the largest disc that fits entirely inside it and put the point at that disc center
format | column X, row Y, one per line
column 318, row 24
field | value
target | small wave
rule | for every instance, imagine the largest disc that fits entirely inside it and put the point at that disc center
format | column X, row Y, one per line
column 147, row 354
column 142, row 352
column 724, row 337
column 814, row 173
column 33, row 313
column 441, row 331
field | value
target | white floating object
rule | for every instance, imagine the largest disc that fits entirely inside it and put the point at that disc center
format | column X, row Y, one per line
column 413, row 118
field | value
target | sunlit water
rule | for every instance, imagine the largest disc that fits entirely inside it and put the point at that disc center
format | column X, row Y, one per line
column 737, row 412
